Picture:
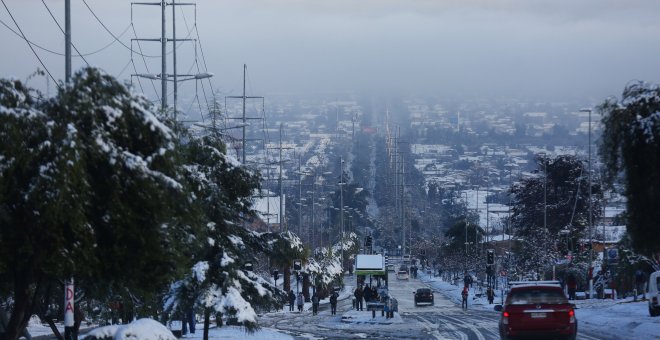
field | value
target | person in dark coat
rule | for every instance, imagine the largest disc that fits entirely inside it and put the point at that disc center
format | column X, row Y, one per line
column 315, row 304
column 358, row 298
column 333, row 303
column 490, row 294
column 300, row 301
column 367, row 294
column 640, row 280
column 571, row 284
column 292, row 300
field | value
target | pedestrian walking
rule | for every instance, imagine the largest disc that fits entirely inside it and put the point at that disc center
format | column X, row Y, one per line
column 464, row 295
column 358, row 298
column 640, row 279
column 467, row 280
column 315, row 304
column 333, row 303
column 292, row 300
column 571, row 284
column 490, row 294
column 300, row 300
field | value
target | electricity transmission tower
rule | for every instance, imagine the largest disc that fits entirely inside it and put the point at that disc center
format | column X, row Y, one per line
column 164, row 76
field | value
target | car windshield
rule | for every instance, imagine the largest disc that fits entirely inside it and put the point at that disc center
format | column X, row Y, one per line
column 536, row 296
column 423, row 291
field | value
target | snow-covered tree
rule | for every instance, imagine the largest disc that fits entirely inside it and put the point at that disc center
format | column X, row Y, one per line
column 88, row 182
column 325, row 268
column 630, row 150
column 220, row 281
column 549, row 208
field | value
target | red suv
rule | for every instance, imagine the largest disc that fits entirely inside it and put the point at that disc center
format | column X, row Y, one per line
column 537, row 310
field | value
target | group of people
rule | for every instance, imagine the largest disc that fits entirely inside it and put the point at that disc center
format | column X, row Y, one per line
column 299, row 300
column 367, row 294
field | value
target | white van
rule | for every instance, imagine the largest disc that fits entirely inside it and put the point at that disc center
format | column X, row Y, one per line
column 653, row 293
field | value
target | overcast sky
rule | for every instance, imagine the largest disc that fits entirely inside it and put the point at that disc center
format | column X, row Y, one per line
column 550, row 49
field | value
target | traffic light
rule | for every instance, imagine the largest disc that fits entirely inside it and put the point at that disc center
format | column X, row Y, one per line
column 276, row 274
column 297, row 265
column 490, row 259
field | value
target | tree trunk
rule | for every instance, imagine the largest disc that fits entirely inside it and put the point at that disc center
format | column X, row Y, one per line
column 207, row 322
column 43, row 310
column 305, row 287
column 287, row 279
column 18, row 321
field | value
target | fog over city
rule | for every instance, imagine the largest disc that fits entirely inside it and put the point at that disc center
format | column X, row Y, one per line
column 547, row 50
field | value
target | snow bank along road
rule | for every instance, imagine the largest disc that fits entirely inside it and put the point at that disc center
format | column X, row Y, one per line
column 443, row 320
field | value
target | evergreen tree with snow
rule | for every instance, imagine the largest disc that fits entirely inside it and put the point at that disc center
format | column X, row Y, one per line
column 549, row 214
column 88, row 184
column 220, row 281
column 630, row 150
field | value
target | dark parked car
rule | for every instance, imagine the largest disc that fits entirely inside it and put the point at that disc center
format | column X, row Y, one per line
column 423, row 295
column 537, row 310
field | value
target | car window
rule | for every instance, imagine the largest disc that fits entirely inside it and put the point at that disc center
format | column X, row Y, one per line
column 657, row 281
column 535, row 296
column 423, row 291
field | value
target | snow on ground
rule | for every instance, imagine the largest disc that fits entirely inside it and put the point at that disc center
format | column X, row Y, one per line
column 235, row 332
column 621, row 318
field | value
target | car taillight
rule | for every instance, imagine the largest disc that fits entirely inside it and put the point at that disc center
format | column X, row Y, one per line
column 571, row 315
column 505, row 318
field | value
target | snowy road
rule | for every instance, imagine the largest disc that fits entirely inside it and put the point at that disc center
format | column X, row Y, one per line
column 444, row 320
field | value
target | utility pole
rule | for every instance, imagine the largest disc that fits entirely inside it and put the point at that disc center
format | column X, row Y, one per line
column 67, row 41
column 341, row 209
column 163, row 60
column 243, row 117
column 280, row 184
column 69, row 332
column 299, row 196
column 280, row 179
column 174, row 76
column 164, row 76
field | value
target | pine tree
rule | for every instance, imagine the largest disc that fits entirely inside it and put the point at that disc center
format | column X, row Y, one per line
column 630, row 150
column 220, row 281
column 558, row 191
column 88, row 180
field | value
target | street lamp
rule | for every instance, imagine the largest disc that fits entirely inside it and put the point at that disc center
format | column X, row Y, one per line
column 591, row 243
column 341, row 214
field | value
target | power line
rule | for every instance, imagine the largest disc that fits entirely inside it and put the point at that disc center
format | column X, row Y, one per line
column 138, row 78
column 185, row 21
column 62, row 30
column 29, row 41
column 112, row 34
column 124, row 69
column 59, row 53
column 29, row 45
column 143, row 60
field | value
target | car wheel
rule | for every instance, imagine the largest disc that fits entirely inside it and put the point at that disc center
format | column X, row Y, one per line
column 653, row 312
